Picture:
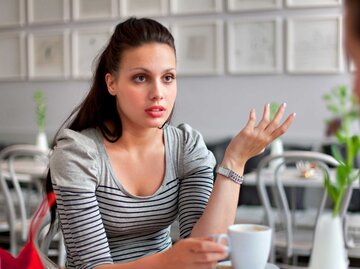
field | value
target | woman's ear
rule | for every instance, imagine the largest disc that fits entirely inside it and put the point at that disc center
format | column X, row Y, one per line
column 110, row 83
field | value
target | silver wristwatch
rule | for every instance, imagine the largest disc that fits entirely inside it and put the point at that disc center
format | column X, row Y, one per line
column 226, row 172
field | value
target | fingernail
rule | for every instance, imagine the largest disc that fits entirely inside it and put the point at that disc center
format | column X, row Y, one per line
column 284, row 104
column 294, row 114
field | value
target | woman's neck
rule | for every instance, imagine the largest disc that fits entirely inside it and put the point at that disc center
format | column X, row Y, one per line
column 131, row 140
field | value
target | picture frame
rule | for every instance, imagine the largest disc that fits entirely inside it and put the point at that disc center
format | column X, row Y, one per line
column 254, row 46
column 45, row 11
column 199, row 47
column 12, row 13
column 312, row 3
column 94, row 9
column 198, row 6
column 144, row 8
column 12, row 52
column 246, row 5
column 314, row 45
column 86, row 47
column 48, row 55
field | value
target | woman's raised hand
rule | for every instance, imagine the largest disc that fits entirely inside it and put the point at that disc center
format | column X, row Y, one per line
column 253, row 139
column 194, row 253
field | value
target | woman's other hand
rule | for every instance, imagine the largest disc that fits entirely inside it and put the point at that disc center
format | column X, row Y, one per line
column 194, row 253
column 253, row 139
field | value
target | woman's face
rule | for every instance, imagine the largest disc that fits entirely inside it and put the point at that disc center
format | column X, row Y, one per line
column 145, row 87
column 352, row 44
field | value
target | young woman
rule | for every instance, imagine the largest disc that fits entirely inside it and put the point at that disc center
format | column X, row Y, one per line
column 122, row 174
column 352, row 37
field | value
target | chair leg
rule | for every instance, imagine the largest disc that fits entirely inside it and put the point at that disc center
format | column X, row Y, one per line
column 62, row 252
column 295, row 260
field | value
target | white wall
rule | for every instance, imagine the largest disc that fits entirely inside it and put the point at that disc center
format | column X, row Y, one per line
column 218, row 106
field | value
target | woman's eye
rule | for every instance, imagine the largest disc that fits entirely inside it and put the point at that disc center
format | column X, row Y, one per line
column 169, row 78
column 139, row 78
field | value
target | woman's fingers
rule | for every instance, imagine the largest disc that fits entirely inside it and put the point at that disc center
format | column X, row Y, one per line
column 265, row 120
column 205, row 245
column 283, row 127
column 194, row 253
column 266, row 131
column 252, row 120
column 205, row 251
column 274, row 123
column 252, row 140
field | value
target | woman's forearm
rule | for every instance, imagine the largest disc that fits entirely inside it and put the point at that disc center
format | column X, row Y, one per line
column 152, row 261
column 220, row 211
column 249, row 142
column 191, row 253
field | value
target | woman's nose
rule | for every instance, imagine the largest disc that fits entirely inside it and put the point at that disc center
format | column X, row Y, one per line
column 156, row 92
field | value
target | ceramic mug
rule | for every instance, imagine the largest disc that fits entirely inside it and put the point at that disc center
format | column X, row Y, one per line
column 249, row 245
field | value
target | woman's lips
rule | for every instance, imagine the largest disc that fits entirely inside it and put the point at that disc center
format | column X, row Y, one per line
column 155, row 111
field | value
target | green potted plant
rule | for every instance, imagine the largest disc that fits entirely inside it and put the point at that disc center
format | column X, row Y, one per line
column 329, row 241
column 39, row 99
column 342, row 104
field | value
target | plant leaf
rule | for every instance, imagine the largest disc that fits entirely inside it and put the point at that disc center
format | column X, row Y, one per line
column 336, row 153
column 342, row 175
column 341, row 136
column 333, row 193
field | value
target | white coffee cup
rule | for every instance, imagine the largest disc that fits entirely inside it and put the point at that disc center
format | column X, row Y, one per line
column 249, row 245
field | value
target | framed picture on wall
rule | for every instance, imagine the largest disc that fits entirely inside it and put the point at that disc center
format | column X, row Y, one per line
column 48, row 55
column 199, row 47
column 143, row 8
column 12, row 13
column 198, row 6
column 242, row 5
column 312, row 3
column 94, row 9
column 87, row 44
column 314, row 44
column 12, row 55
column 254, row 46
column 45, row 11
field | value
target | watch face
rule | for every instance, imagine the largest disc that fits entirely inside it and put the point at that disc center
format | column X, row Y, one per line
column 223, row 171
column 230, row 174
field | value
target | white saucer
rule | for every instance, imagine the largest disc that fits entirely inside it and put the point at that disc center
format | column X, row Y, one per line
column 227, row 265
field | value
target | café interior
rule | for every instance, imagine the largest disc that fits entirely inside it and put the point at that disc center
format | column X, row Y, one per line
column 232, row 56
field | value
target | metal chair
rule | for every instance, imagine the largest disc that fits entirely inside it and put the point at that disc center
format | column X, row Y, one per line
column 288, row 239
column 43, row 240
column 23, row 169
column 12, row 183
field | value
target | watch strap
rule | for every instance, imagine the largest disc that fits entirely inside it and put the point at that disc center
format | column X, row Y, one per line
column 226, row 172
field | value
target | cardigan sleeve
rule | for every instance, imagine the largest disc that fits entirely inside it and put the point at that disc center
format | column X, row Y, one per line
column 75, row 174
column 196, row 181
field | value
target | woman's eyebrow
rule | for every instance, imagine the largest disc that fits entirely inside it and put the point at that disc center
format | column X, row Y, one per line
column 149, row 71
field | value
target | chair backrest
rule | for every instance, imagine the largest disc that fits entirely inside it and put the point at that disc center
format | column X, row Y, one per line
column 45, row 236
column 323, row 162
column 12, row 174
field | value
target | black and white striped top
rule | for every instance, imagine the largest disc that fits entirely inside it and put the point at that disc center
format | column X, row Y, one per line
column 102, row 222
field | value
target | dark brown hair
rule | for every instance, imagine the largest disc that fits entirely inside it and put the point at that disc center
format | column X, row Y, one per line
column 98, row 109
column 353, row 11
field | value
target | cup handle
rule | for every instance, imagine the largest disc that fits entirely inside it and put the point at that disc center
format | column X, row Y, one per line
column 222, row 237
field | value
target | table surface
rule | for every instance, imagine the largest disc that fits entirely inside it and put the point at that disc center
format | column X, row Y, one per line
column 290, row 177
column 227, row 265
column 27, row 168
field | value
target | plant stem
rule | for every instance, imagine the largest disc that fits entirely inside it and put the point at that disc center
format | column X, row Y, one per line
column 336, row 209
